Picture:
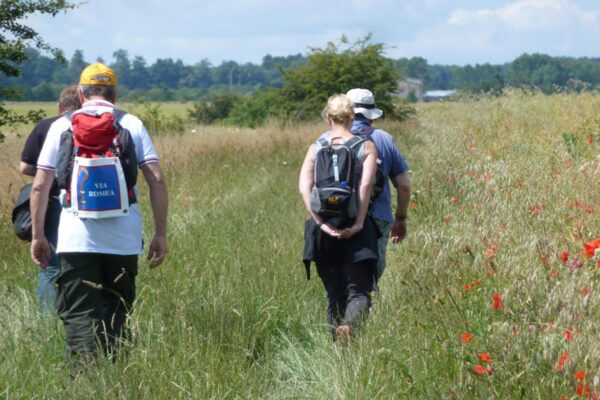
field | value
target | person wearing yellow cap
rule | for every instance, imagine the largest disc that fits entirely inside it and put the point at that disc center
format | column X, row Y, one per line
column 98, row 247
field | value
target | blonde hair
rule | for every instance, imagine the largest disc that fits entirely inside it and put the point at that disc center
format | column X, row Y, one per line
column 340, row 109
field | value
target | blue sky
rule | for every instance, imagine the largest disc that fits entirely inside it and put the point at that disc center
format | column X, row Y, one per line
column 442, row 31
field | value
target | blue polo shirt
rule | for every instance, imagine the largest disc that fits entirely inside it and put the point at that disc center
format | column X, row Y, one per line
column 392, row 165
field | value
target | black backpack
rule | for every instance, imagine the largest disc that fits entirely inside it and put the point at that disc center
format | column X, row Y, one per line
column 21, row 214
column 337, row 174
column 378, row 186
column 124, row 149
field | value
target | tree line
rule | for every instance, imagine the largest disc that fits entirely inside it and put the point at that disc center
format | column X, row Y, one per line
column 546, row 73
column 42, row 77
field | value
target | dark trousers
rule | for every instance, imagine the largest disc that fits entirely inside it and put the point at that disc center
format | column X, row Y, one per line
column 348, row 287
column 94, row 300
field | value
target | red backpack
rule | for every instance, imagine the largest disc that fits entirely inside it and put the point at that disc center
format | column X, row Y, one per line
column 96, row 136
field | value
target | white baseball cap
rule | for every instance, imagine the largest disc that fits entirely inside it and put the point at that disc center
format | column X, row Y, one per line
column 364, row 103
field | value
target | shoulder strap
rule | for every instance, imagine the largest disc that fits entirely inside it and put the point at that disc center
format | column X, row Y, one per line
column 119, row 114
column 323, row 142
column 355, row 141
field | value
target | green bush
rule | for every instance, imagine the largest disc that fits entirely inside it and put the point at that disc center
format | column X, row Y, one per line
column 215, row 110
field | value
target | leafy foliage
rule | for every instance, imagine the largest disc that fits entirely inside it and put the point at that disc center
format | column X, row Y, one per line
column 217, row 109
column 15, row 37
column 336, row 69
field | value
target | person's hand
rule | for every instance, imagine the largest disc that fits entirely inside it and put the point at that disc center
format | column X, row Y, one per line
column 398, row 230
column 157, row 251
column 330, row 230
column 41, row 253
column 347, row 233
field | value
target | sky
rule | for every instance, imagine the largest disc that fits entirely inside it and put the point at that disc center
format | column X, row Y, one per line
column 445, row 32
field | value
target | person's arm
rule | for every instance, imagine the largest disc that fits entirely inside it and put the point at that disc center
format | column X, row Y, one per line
column 40, row 248
column 402, row 184
column 364, row 190
column 305, row 185
column 159, row 201
column 27, row 169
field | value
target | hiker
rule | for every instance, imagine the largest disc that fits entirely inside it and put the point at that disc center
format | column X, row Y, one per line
column 97, row 151
column 341, row 240
column 68, row 101
column 392, row 166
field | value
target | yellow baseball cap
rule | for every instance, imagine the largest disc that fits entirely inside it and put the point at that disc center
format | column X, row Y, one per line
column 98, row 74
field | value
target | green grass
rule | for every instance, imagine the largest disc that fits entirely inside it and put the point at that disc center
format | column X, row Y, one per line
column 500, row 188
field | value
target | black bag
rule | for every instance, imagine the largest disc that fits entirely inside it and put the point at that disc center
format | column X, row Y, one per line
column 337, row 175
column 21, row 214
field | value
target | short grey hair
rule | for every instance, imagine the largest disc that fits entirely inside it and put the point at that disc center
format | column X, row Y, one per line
column 107, row 92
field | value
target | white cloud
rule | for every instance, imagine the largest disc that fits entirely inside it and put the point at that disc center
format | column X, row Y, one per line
column 527, row 15
column 555, row 27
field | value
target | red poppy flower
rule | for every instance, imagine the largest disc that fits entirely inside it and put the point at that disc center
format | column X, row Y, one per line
column 485, row 357
column 491, row 251
column 568, row 334
column 536, row 208
column 584, row 390
column 497, row 301
column 590, row 247
column 466, row 337
column 564, row 360
column 580, row 375
column 590, row 140
column 480, row 370
column 468, row 287
column 564, row 257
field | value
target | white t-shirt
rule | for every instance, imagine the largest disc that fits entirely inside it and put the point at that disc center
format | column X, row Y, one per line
column 121, row 235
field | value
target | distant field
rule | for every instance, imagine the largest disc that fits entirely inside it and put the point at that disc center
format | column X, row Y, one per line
column 50, row 108
column 489, row 297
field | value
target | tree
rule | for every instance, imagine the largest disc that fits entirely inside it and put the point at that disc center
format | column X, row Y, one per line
column 15, row 37
column 336, row 69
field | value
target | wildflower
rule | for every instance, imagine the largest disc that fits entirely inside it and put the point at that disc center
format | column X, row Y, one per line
column 591, row 247
column 466, row 337
column 564, row 360
column 477, row 282
column 496, row 301
column 568, row 334
column 586, row 291
column 468, row 287
column 584, row 390
column 481, row 370
column 576, row 263
column 485, row 357
column 590, row 140
column 536, row 208
column 491, row 251
column 564, row 257
column 413, row 206
column 553, row 274
column 454, row 199
column 580, row 375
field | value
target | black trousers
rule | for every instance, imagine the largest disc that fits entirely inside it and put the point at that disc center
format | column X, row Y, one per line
column 94, row 300
column 348, row 287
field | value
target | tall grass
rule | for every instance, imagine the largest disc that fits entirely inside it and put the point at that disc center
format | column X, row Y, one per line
column 501, row 187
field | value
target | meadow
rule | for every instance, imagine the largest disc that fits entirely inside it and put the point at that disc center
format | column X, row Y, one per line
column 491, row 296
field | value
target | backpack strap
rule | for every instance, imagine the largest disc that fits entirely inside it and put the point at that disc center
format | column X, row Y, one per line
column 355, row 141
column 119, row 114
